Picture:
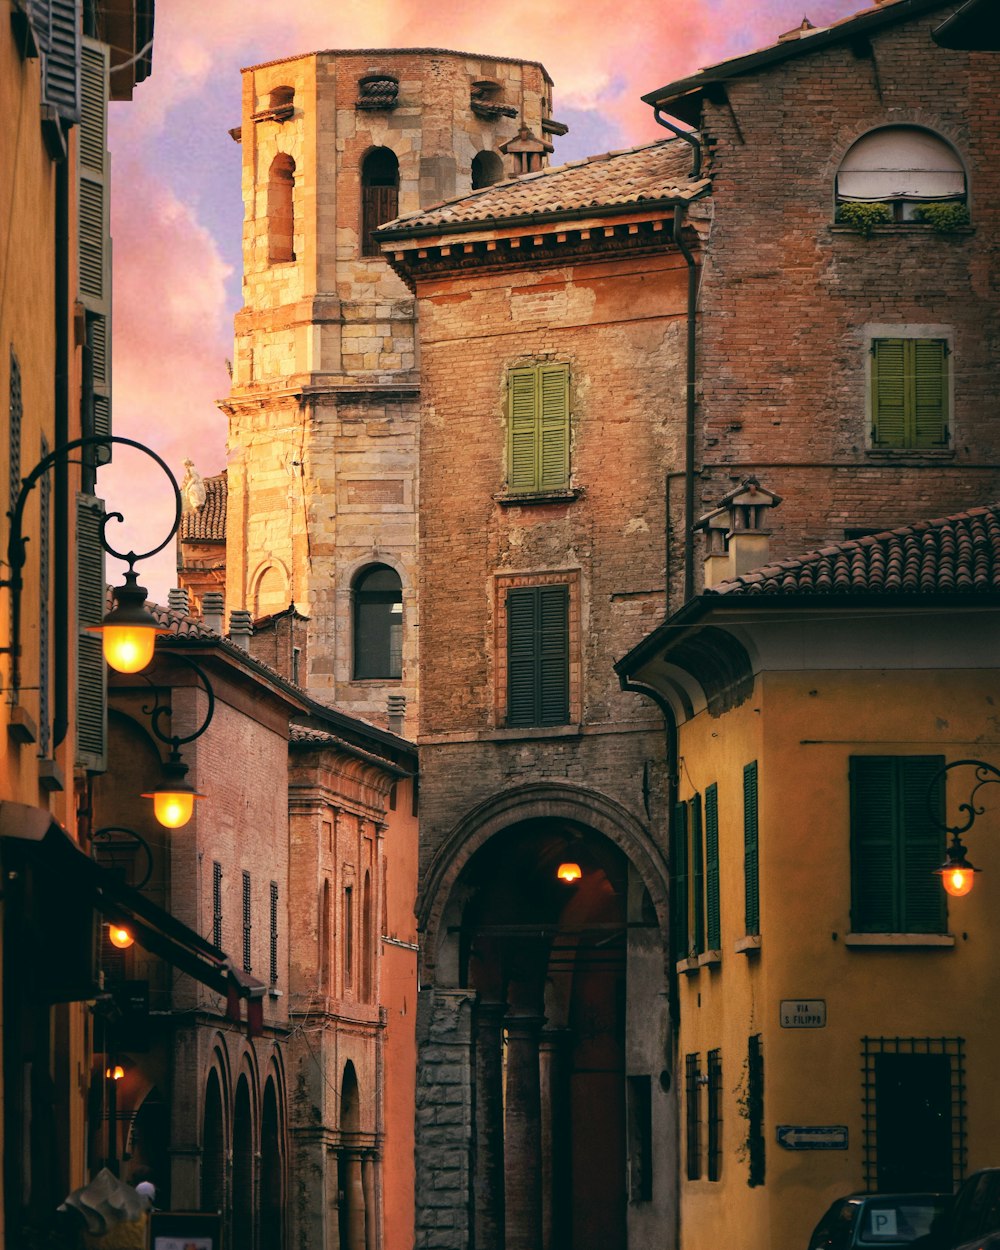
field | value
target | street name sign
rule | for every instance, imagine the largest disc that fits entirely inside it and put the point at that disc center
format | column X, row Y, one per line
column 812, row 1137
column 803, row 1013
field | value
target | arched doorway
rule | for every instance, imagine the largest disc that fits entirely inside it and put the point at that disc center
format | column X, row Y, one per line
column 151, row 1145
column 271, row 1172
column 244, row 1198
column 213, row 1148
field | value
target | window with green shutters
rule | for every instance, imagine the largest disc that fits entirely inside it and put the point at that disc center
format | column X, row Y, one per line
column 696, row 935
column 910, row 393
column 679, row 881
column 896, row 844
column 538, row 429
column 538, row 655
column 751, row 860
column 713, row 919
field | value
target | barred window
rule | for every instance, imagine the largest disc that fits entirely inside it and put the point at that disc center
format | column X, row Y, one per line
column 246, row 922
column 217, row 903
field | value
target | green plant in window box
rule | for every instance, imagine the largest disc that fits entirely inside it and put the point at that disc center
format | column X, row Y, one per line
column 949, row 215
column 864, row 217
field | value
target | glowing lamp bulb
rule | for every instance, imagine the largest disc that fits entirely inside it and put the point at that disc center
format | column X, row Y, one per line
column 958, row 881
column 569, row 873
column 173, row 808
column 116, row 1073
column 128, row 648
column 120, row 937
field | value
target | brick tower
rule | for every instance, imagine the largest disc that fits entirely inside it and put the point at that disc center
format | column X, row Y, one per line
column 323, row 412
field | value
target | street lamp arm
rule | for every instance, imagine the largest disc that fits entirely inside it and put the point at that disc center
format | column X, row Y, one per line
column 985, row 774
column 160, row 711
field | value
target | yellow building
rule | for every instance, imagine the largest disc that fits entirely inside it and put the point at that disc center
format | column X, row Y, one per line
column 836, row 1010
column 56, row 76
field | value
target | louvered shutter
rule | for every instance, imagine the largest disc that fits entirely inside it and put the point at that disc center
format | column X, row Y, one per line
column 553, row 434
column 696, row 943
column 522, row 430
column 95, row 237
column 521, row 645
column 679, row 881
column 874, row 845
column 713, row 921
column 751, row 850
column 929, row 367
column 553, row 657
column 889, row 417
column 924, row 908
column 91, row 687
column 379, row 205
column 57, row 25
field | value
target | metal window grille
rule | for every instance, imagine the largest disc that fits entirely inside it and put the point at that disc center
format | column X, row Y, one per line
column 44, row 585
column 755, row 1110
column 16, row 412
column 274, row 933
column 246, row 922
column 951, row 1047
column 692, row 1089
column 714, row 1115
column 217, row 903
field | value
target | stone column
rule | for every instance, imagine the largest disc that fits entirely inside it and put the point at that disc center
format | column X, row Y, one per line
column 523, row 1135
column 556, row 1215
column 488, row 1182
column 368, row 1188
column 354, row 1199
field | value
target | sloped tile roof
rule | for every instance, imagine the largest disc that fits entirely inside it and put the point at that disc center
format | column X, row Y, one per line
column 653, row 172
column 959, row 554
column 208, row 523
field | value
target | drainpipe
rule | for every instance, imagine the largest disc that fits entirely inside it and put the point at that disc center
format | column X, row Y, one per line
column 692, row 307
column 60, row 612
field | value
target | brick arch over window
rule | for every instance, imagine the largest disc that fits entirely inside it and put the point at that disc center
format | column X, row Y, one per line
column 281, row 210
column 270, row 590
column 379, row 195
column 540, row 801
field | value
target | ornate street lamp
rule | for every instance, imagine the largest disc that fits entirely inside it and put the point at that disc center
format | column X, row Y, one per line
column 174, row 798
column 129, row 631
column 957, row 874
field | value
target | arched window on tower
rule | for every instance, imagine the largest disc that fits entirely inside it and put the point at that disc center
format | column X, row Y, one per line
column 379, row 195
column 280, row 211
column 487, row 168
column 378, row 623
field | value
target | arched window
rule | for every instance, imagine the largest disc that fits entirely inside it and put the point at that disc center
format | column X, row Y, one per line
column 280, row 212
column 281, row 97
column 378, row 624
column 270, row 593
column 379, row 195
column 487, row 168
column 902, row 167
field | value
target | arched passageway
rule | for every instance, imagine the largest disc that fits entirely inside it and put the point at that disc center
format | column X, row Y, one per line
column 213, row 1148
column 244, row 1198
column 271, row 1173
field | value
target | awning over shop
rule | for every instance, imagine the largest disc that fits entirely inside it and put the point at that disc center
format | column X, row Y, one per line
column 66, row 886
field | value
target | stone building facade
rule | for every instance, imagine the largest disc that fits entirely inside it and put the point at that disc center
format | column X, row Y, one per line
column 323, row 412
column 799, row 298
column 552, row 315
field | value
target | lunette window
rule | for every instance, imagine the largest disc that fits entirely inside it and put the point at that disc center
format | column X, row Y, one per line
column 896, row 844
column 538, row 429
column 910, row 392
column 538, row 655
column 901, row 167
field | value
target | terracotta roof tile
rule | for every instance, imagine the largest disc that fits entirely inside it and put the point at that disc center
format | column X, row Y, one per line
column 208, row 523
column 653, row 172
column 958, row 553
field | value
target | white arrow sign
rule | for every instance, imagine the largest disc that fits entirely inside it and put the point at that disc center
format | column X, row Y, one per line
column 817, row 1137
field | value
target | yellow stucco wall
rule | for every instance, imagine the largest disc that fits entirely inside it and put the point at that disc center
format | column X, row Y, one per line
column 802, row 727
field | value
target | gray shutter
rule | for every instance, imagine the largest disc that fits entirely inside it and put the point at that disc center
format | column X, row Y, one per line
column 91, row 685
column 95, row 234
column 57, row 26
column 553, row 659
column 538, row 655
column 521, row 642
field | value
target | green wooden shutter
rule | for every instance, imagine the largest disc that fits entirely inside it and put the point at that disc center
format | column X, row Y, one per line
column 889, row 424
column 538, row 655
column 553, row 454
column 679, row 881
column 909, row 393
column 930, row 392
column 895, row 845
column 713, row 920
column 553, row 657
column 522, row 427
column 696, row 944
column 91, row 687
column 751, row 858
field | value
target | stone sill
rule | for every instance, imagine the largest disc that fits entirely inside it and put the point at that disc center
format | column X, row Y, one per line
column 686, row 966
column 709, row 959
column 902, row 227
column 910, row 453
column 532, row 731
column 899, row 939
column 748, row 945
column 529, row 498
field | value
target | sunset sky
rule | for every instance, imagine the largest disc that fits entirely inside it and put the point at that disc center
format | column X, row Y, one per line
column 177, row 211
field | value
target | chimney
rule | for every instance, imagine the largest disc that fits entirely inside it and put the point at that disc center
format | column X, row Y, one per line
column 736, row 531
column 240, row 628
column 397, row 710
column 177, row 600
column 212, row 606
